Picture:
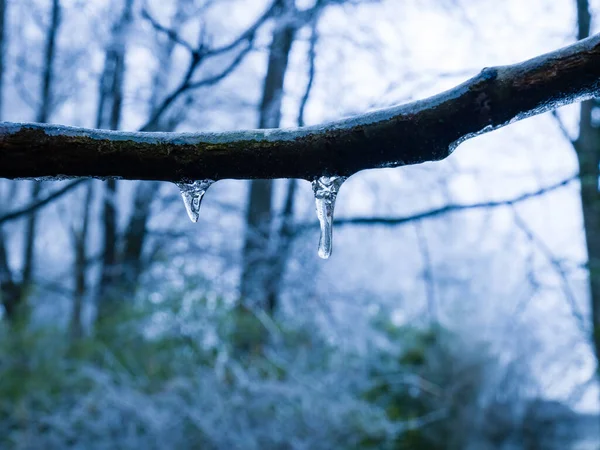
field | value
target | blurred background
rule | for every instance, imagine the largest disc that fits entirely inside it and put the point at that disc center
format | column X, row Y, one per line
column 456, row 309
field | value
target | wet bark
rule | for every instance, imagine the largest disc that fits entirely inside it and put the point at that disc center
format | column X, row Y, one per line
column 426, row 130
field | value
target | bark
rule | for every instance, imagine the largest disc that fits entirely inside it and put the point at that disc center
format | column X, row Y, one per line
column 426, row 130
column 257, row 267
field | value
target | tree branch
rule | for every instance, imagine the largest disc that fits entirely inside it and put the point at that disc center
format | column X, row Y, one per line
column 558, row 267
column 40, row 203
column 563, row 128
column 394, row 221
column 214, row 79
column 426, row 130
column 312, row 56
column 169, row 32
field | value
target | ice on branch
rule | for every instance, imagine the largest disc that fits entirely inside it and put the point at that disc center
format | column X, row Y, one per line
column 326, row 190
column 192, row 194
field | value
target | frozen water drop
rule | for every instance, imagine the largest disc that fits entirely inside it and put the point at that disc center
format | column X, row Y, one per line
column 326, row 190
column 192, row 194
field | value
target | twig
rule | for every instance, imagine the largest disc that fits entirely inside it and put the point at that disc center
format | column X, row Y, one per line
column 33, row 207
column 556, row 264
column 394, row 221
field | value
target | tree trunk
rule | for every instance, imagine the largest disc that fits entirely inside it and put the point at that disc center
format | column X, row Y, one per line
column 109, row 116
column 135, row 237
column 285, row 234
column 126, row 278
column 284, row 241
column 257, row 270
column 122, row 269
column 587, row 146
column 80, row 266
column 42, row 117
column 10, row 292
column 8, row 288
column 18, row 304
column 2, row 51
column 49, row 55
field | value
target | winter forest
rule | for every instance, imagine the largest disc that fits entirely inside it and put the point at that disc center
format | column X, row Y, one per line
column 455, row 306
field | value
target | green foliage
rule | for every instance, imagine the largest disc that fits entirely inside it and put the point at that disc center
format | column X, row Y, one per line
column 42, row 370
column 186, row 354
column 425, row 385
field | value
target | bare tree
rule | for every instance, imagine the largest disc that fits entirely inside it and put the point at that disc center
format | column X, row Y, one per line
column 266, row 247
column 123, row 262
column 79, row 236
column 587, row 147
column 110, row 101
column 14, row 301
column 257, row 262
column 285, row 233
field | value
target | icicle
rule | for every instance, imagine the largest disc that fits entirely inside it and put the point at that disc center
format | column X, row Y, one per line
column 326, row 190
column 192, row 194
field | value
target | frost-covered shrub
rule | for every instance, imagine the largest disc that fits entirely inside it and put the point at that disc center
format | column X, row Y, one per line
column 170, row 376
column 428, row 382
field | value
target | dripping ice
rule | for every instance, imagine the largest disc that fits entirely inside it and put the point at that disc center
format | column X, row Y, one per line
column 326, row 190
column 192, row 194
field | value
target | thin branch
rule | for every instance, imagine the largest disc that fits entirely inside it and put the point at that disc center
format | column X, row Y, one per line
column 33, row 207
column 174, row 95
column 197, row 57
column 169, row 32
column 426, row 130
column 247, row 35
column 312, row 56
column 214, row 79
column 428, row 276
column 394, row 221
column 422, row 421
column 557, row 265
column 562, row 127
